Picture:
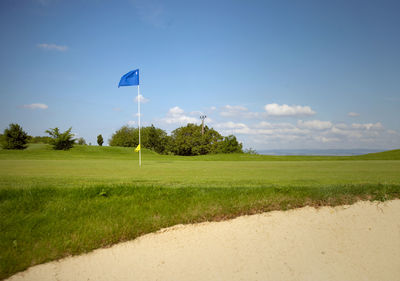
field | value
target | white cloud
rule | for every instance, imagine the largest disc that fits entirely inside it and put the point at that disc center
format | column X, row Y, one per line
column 231, row 125
column 176, row 115
column 353, row 114
column 131, row 123
column 141, row 98
column 232, row 110
column 55, row 47
column 368, row 126
column 238, row 111
column 175, row 111
column 392, row 132
column 325, row 139
column 35, row 106
column 284, row 110
column 314, row 124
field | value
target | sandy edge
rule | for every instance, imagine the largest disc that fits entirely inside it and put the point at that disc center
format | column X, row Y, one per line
column 351, row 242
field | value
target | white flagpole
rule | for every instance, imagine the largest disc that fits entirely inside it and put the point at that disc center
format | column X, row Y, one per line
column 140, row 150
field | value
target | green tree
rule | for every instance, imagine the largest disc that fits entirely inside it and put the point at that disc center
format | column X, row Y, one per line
column 126, row 137
column 230, row 145
column 14, row 137
column 157, row 139
column 61, row 141
column 150, row 137
column 188, row 140
column 81, row 141
column 100, row 140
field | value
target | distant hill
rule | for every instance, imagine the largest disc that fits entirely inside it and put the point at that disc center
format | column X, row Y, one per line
column 319, row 152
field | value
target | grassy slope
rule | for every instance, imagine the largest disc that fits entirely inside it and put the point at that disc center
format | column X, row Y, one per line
column 109, row 199
column 43, row 151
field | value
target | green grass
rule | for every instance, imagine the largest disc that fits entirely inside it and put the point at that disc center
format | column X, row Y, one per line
column 59, row 203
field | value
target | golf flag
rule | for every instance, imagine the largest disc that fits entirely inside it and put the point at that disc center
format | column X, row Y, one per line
column 137, row 148
column 130, row 79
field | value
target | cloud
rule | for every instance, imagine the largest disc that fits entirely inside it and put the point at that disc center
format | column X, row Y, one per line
column 368, row 126
column 232, row 110
column 392, row 132
column 314, row 124
column 353, row 114
column 325, row 139
column 311, row 134
column 238, row 111
column 35, row 106
column 285, row 110
column 55, row 47
column 176, row 115
column 131, row 123
column 142, row 99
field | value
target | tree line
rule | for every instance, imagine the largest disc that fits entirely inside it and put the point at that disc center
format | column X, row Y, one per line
column 187, row 140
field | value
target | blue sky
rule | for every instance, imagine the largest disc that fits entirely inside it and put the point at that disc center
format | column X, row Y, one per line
column 277, row 74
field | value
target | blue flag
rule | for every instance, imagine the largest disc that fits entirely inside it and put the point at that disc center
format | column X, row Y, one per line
column 130, row 79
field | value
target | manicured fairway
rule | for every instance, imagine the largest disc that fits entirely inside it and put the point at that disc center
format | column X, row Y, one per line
column 176, row 173
column 56, row 203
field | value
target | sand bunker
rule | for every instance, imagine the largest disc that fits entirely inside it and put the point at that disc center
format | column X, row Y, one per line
column 358, row 242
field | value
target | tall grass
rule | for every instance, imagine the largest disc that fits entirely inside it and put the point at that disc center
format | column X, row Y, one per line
column 59, row 203
column 47, row 223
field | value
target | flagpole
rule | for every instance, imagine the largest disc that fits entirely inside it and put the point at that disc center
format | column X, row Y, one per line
column 140, row 148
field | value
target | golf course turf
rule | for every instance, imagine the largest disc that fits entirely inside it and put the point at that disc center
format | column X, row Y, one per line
column 59, row 203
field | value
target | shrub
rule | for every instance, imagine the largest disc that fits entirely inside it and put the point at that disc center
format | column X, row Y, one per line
column 188, row 140
column 61, row 141
column 100, row 140
column 251, row 151
column 150, row 137
column 81, row 141
column 14, row 137
column 39, row 139
column 126, row 137
column 230, row 145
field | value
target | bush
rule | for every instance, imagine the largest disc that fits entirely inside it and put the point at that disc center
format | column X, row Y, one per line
column 230, row 145
column 151, row 137
column 251, row 151
column 126, row 137
column 186, row 140
column 81, row 141
column 189, row 141
column 61, row 141
column 38, row 139
column 14, row 137
column 100, row 140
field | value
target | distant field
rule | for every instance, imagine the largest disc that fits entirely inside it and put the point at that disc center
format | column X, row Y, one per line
column 56, row 203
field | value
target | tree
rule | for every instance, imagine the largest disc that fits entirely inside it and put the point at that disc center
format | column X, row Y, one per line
column 100, row 140
column 189, row 141
column 61, row 141
column 150, row 137
column 157, row 139
column 81, row 141
column 230, row 145
column 14, row 137
column 126, row 137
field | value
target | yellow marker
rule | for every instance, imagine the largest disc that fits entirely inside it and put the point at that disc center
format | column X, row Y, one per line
column 137, row 148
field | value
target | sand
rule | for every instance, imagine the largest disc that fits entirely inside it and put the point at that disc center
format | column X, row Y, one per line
column 357, row 242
